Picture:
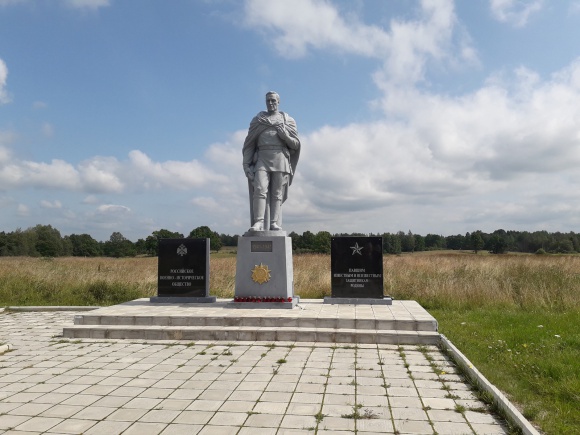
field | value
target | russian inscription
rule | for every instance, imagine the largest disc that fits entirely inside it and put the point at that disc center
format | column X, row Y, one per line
column 357, row 267
column 183, row 268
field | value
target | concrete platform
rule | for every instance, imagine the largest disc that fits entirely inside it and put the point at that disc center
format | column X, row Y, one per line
column 49, row 384
column 403, row 322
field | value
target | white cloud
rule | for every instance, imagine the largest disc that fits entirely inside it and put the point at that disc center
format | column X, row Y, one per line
column 87, row 4
column 508, row 149
column 22, row 210
column 515, row 12
column 173, row 174
column 4, row 153
column 74, row 4
column 574, row 7
column 50, row 204
column 296, row 27
column 205, row 202
column 39, row 105
column 57, row 174
column 106, row 174
column 99, row 175
column 113, row 209
column 90, row 199
column 11, row 2
column 47, row 129
column 4, row 97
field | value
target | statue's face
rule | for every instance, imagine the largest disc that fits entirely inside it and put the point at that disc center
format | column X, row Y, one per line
column 272, row 103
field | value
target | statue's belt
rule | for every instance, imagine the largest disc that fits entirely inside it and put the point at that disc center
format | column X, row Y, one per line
column 272, row 147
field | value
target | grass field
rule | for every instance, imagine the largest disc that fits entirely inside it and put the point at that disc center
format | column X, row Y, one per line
column 516, row 317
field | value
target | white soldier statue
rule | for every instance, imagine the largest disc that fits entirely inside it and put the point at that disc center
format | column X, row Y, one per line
column 271, row 152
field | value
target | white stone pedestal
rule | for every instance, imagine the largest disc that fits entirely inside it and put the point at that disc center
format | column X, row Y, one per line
column 264, row 270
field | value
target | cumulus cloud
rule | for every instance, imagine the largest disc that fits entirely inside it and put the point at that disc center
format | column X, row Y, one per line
column 174, row 174
column 47, row 129
column 23, row 210
column 574, row 7
column 297, row 27
column 50, row 204
column 503, row 152
column 515, row 12
column 4, row 97
column 87, row 4
column 39, row 105
column 113, row 209
column 101, row 174
column 11, row 2
column 302, row 24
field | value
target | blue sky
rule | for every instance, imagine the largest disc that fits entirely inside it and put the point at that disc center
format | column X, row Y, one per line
column 432, row 116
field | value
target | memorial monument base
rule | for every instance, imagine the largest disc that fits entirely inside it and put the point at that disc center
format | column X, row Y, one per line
column 264, row 270
column 358, row 301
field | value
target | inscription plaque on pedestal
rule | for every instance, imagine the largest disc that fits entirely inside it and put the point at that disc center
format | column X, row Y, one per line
column 356, row 265
column 183, row 268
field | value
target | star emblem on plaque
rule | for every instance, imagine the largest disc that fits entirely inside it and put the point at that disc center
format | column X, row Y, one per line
column 356, row 249
column 181, row 250
column 261, row 273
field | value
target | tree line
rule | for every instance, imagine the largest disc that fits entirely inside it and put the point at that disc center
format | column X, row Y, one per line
column 46, row 241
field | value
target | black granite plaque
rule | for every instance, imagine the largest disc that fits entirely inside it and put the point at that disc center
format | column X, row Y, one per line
column 261, row 246
column 356, row 265
column 183, row 268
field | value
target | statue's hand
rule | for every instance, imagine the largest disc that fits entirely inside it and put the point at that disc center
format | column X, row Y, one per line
column 250, row 175
column 282, row 132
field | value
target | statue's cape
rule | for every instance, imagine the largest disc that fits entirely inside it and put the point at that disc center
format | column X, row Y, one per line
column 259, row 123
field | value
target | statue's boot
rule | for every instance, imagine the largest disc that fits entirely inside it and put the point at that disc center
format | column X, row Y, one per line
column 259, row 205
column 275, row 206
column 258, row 225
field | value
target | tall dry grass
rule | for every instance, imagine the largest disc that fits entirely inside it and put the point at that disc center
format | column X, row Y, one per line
column 434, row 279
column 468, row 281
column 75, row 280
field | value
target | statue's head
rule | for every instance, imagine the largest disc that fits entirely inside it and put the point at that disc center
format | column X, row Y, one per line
column 272, row 101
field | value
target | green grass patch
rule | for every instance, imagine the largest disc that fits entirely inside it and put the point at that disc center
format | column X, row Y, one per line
column 533, row 356
column 31, row 291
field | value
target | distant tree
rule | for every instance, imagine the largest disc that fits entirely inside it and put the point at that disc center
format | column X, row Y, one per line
column 561, row 246
column 497, row 244
column 296, row 240
column 308, row 241
column 140, row 247
column 228, row 240
column 152, row 241
column 477, row 242
column 407, row 241
column 322, row 242
column 455, row 242
column 434, row 242
column 205, row 232
column 419, row 243
column 18, row 243
column 83, row 245
column 48, row 241
column 118, row 246
column 391, row 243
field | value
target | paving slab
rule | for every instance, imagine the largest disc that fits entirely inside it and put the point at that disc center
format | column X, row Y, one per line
column 50, row 384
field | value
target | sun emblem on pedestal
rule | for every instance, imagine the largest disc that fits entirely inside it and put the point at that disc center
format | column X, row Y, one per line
column 261, row 274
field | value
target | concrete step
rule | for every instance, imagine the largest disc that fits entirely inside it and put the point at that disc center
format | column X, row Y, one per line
column 250, row 333
column 403, row 322
column 258, row 322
